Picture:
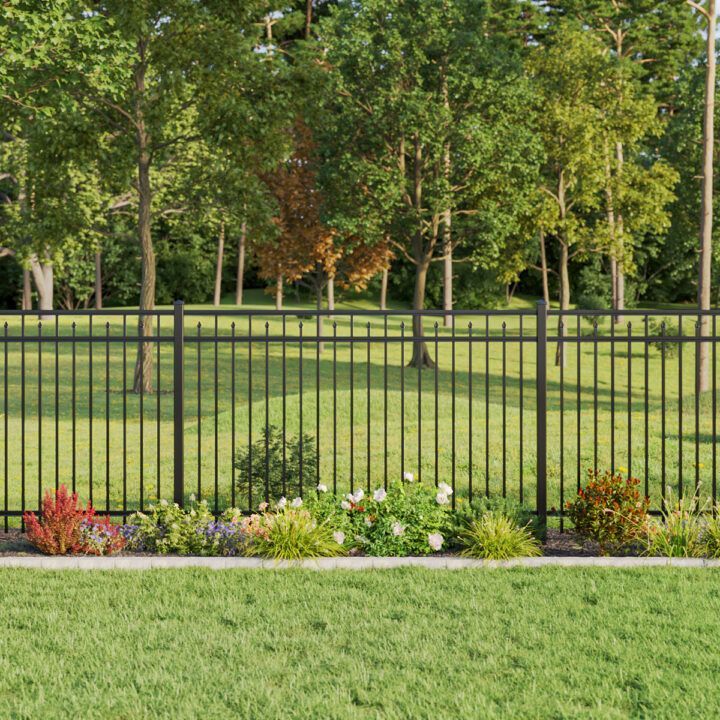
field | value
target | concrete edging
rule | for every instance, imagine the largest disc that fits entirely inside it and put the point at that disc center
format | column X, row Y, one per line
column 152, row 562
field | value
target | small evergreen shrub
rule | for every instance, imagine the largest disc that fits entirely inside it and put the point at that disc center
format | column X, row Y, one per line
column 609, row 510
column 251, row 468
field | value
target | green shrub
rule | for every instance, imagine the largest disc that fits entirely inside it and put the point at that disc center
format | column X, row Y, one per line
column 655, row 327
column 609, row 510
column 293, row 534
column 168, row 529
column 250, row 480
column 495, row 536
column 678, row 533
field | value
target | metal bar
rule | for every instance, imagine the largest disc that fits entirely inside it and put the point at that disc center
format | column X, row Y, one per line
column 612, row 398
column 662, row 416
column 629, row 401
column 595, row 398
column 250, row 419
column 578, row 399
column 5, row 426
column 107, row 420
column 39, row 418
column 385, row 403
column 335, row 412
column 284, row 410
column 352, row 407
column 402, row 400
column 267, row 415
column 300, row 432
column 419, row 415
column 487, row 407
column 680, row 413
column 368, row 410
column 541, row 363
column 520, row 419
column 714, row 415
column 158, row 391
column 216, row 450
column 317, row 406
column 470, row 415
column 453, row 423
column 233, row 418
column 57, row 405
column 73, row 410
column 437, row 423
column 647, row 411
column 124, row 417
column 199, row 417
column 562, row 428
column 90, row 412
column 697, row 411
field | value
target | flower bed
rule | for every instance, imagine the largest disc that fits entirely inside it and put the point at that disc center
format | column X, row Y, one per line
column 405, row 519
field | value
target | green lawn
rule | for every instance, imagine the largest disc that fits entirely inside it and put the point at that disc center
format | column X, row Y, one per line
column 546, row 643
column 117, row 455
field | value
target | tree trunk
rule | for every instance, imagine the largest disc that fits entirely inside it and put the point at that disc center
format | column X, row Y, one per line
column 98, row 280
column 384, row 288
column 308, row 18
column 331, row 293
column 561, row 353
column 544, row 270
column 447, row 270
column 27, row 291
column 44, row 283
column 420, row 355
column 240, row 265
column 219, row 265
column 706, row 211
column 142, row 382
column 318, row 303
column 279, row 293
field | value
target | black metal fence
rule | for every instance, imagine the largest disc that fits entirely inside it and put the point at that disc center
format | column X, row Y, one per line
column 241, row 406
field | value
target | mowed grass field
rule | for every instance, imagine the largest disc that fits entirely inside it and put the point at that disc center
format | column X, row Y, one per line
column 121, row 444
column 535, row 643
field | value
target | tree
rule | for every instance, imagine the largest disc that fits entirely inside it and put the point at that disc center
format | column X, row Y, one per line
column 429, row 129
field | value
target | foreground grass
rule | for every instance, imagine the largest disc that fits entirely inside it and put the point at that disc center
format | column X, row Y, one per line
column 547, row 643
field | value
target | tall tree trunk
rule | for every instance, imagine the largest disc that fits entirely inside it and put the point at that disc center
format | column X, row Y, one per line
column 706, row 211
column 98, row 280
column 447, row 270
column 331, row 292
column 384, row 288
column 240, row 265
column 561, row 352
column 143, row 382
column 420, row 355
column 219, row 265
column 27, row 291
column 544, row 270
column 308, row 18
column 43, row 276
column 279, row 293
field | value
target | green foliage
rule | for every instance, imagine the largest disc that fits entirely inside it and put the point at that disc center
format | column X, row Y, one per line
column 609, row 510
column 467, row 513
column 664, row 327
column 679, row 532
column 282, row 463
column 184, row 274
column 293, row 534
column 495, row 536
column 711, row 535
column 408, row 519
column 168, row 529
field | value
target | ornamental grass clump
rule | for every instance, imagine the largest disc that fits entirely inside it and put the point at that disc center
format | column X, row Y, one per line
column 65, row 527
column 291, row 533
column 495, row 536
column 610, row 511
column 679, row 532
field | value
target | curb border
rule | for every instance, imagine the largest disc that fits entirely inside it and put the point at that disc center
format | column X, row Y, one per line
column 340, row 563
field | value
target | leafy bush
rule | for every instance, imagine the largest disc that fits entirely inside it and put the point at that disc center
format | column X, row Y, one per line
column 678, row 533
column 168, row 528
column 655, row 327
column 609, row 510
column 292, row 533
column 406, row 519
column 495, row 536
column 252, row 478
column 65, row 527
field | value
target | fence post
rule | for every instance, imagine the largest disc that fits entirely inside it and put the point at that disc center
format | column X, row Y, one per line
column 179, row 401
column 541, row 387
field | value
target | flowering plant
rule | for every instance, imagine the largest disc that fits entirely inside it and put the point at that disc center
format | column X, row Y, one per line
column 406, row 518
column 98, row 536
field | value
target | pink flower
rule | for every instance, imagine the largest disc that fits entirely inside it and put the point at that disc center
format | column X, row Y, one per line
column 435, row 540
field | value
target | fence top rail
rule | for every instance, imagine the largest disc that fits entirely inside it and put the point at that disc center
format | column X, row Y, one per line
column 635, row 312
column 303, row 313
column 85, row 312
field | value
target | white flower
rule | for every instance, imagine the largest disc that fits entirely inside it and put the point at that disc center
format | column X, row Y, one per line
column 321, row 488
column 368, row 521
column 441, row 498
column 408, row 477
column 192, row 497
column 164, row 503
column 339, row 537
column 379, row 495
column 282, row 502
column 296, row 503
column 398, row 529
column 435, row 540
column 445, row 488
column 263, row 506
column 358, row 496
column 345, row 505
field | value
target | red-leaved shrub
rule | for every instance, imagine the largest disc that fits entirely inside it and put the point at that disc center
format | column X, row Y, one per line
column 59, row 530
